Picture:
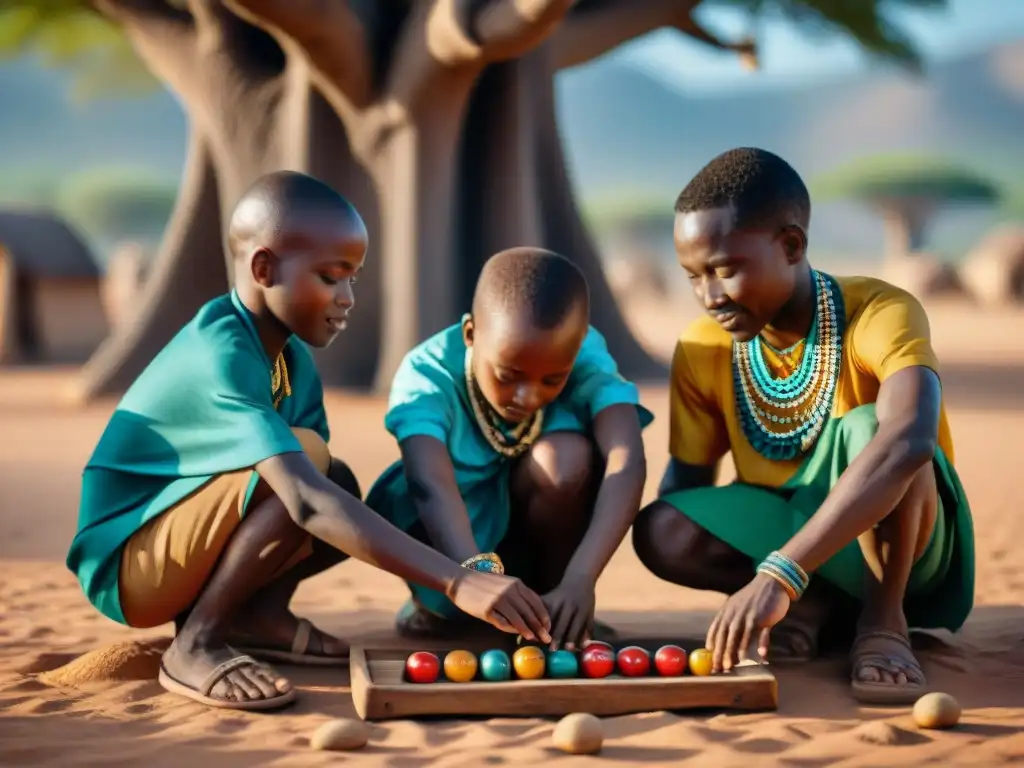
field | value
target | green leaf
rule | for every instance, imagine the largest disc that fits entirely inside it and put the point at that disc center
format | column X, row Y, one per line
column 868, row 22
column 69, row 34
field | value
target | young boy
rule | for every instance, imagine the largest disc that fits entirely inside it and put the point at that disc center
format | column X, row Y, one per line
column 520, row 443
column 212, row 492
column 826, row 392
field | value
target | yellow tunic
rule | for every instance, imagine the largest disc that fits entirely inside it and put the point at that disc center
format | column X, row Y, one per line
column 887, row 330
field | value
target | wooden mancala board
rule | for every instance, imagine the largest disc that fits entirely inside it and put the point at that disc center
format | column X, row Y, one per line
column 381, row 692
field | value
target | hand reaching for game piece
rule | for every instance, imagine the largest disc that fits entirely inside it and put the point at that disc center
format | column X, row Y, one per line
column 504, row 602
column 756, row 608
column 571, row 605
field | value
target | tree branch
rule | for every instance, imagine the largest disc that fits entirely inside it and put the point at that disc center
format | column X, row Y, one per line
column 161, row 34
column 594, row 27
column 507, row 29
column 327, row 32
column 458, row 38
column 158, row 19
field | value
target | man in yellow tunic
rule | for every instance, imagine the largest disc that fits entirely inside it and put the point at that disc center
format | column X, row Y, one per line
column 826, row 392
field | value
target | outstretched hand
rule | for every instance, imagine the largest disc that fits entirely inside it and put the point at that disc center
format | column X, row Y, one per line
column 503, row 602
column 754, row 610
column 571, row 605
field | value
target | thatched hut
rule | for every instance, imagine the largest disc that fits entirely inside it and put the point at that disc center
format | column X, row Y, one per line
column 50, row 291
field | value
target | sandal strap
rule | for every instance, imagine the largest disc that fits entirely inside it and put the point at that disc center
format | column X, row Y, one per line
column 885, row 634
column 302, row 634
column 223, row 670
column 880, row 660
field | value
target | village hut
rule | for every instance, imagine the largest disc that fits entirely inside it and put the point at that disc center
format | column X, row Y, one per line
column 51, row 310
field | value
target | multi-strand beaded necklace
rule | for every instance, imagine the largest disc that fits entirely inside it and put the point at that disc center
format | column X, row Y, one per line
column 783, row 417
column 511, row 443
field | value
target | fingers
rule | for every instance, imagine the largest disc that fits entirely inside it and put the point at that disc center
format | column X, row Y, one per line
column 562, row 620
column 533, row 618
column 716, row 638
column 539, row 609
column 577, row 634
column 762, row 643
column 746, row 638
column 709, row 640
column 498, row 620
column 733, row 634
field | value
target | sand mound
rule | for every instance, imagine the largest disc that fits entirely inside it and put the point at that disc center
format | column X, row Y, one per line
column 133, row 660
column 884, row 734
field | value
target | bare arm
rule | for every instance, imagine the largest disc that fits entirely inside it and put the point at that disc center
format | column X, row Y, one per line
column 908, row 410
column 682, row 477
column 431, row 478
column 618, row 436
column 329, row 513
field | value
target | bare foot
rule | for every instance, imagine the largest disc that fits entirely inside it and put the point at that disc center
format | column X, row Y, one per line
column 190, row 664
column 282, row 632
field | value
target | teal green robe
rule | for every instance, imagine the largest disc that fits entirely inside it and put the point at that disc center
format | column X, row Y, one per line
column 201, row 408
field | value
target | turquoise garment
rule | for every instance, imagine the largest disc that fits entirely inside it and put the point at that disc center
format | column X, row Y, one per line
column 200, row 409
column 429, row 397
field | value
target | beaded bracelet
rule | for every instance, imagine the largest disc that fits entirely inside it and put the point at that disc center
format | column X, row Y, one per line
column 488, row 562
column 787, row 572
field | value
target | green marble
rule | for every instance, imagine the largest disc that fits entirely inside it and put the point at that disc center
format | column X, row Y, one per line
column 495, row 666
column 563, row 664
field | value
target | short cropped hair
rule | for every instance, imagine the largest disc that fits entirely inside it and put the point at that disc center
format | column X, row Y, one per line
column 762, row 189
column 539, row 284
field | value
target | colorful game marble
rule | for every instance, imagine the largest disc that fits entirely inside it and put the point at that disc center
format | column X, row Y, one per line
column 536, row 682
column 596, row 660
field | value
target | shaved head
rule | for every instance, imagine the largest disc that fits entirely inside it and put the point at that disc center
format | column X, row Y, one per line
column 297, row 248
column 272, row 204
column 531, row 284
column 531, row 312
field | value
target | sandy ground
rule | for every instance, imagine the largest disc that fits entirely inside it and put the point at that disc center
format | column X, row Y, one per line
column 46, row 623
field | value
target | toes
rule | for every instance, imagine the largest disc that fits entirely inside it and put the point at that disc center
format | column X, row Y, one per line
column 870, row 674
column 250, row 690
column 223, row 690
column 270, row 681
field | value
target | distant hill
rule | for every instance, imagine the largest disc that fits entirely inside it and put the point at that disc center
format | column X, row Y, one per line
column 624, row 130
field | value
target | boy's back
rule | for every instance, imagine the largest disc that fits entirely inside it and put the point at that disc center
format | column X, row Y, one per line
column 204, row 406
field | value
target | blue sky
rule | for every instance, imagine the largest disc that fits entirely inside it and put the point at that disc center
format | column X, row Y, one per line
column 790, row 56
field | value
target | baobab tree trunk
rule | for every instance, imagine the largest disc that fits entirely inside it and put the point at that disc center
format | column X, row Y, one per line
column 436, row 119
column 188, row 270
column 516, row 191
column 251, row 110
column 905, row 222
column 457, row 129
column 323, row 150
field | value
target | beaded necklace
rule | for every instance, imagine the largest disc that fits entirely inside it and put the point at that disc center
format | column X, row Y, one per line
column 280, row 386
column 783, row 417
column 518, row 439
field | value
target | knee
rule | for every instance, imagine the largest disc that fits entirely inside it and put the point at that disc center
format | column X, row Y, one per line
column 667, row 542
column 562, row 465
column 314, row 447
column 341, row 475
column 858, row 427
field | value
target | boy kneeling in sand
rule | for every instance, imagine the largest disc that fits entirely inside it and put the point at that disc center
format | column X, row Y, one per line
column 825, row 390
column 520, row 443
column 212, row 492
